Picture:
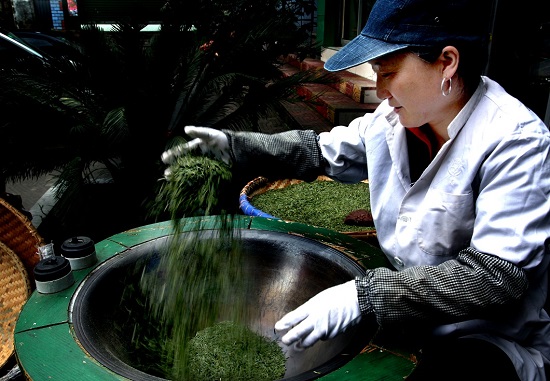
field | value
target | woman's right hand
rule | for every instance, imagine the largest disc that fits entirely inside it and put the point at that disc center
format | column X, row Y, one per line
column 209, row 141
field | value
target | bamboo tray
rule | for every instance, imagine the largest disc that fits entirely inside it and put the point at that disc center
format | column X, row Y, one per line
column 18, row 234
column 19, row 242
column 16, row 289
column 261, row 185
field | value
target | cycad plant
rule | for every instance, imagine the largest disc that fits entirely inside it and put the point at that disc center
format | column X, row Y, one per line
column 212, row 63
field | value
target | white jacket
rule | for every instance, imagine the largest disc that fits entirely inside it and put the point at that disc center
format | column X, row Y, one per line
column 487, row 188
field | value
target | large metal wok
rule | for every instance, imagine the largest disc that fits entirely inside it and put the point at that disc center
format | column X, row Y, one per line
column 284, row 270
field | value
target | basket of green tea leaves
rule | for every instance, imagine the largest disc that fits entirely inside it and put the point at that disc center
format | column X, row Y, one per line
column 323, row 203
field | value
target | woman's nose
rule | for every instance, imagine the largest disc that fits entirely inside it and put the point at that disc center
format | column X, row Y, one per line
column 382, row 92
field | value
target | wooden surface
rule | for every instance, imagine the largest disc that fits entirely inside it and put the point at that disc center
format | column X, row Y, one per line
column 47, row 348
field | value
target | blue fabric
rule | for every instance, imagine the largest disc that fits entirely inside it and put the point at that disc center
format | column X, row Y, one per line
column 250, row 210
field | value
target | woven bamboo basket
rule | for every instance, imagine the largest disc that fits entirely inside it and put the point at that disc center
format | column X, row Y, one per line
column 16, row 289
column 18, row 234
column 260, row 185
column 19, row 242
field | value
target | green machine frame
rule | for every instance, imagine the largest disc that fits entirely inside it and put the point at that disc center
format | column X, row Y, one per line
column 47, row 348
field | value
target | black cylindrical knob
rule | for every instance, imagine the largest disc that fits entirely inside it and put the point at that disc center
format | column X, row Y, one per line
column 77, row 247
column 52, row 268
column 53, row 274
column 80, row 251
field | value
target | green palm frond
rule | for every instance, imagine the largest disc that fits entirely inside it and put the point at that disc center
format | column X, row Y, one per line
column 68, row 184
column 189, row 79
column 114, row 130
column 31, row 145
column 220, row 97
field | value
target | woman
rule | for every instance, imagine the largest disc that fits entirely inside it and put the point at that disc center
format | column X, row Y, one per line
column 459, row 175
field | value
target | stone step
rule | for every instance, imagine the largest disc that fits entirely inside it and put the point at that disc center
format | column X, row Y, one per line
column 299, row 115
column 336, row 107
column 360, row 89
column 332, row 104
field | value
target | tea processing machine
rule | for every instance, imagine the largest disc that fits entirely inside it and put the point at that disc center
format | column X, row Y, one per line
column 69, row 335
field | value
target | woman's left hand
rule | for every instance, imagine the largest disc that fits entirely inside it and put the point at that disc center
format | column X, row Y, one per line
column 322, row 317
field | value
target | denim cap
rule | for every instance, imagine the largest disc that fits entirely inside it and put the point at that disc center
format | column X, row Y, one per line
column 398, row 24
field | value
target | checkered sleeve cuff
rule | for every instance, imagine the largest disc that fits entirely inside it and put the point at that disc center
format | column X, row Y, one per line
column 363, row 286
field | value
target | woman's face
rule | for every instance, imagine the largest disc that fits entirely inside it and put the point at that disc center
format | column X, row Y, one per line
column 412, row 86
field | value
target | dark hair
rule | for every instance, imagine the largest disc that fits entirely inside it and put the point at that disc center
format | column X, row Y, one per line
column 472, row 60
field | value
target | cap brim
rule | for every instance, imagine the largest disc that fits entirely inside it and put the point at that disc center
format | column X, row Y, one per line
column 358, row 51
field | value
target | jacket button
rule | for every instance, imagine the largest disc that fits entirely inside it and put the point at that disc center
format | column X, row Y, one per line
column 399, row 262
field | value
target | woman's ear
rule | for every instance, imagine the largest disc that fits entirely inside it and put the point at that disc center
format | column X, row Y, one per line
column 449, row 60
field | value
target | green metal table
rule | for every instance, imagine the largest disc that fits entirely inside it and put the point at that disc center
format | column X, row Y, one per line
column 47, row 348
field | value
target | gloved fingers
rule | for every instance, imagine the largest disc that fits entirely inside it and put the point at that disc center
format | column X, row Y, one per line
column 304, row 337
column 296, row 334
column 205, row 133
column 171, row 154
column 292, row 318
column 199, row 134
column 310, row 339
column 167, row 174
column 210, row 141
column 194, row 144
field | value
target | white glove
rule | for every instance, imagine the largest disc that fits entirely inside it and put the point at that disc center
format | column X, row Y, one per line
column 324, row 316
column 210, row 141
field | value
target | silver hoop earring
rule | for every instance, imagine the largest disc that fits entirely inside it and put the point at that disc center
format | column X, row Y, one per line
column 443, row 92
